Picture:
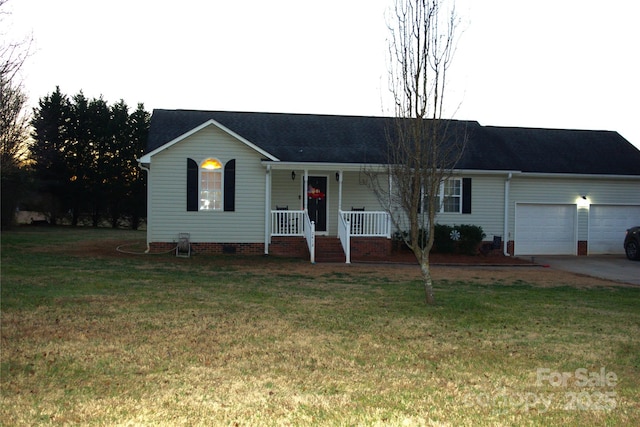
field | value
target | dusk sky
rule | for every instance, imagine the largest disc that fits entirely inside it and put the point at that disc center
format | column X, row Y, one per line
column 546, row 63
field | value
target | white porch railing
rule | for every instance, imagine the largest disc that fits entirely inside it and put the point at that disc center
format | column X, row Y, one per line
column 368, row 224
column 350, row 223
column 287, row 223
column 344, row 235
column 295, row 223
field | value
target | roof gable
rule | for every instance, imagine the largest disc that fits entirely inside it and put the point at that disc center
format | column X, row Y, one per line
column 362, row 139
column 147, row 157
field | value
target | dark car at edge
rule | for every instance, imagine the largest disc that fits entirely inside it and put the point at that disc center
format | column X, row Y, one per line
column 632, row 243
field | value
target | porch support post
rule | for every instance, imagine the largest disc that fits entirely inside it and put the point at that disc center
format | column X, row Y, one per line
column 267, row 210
column 389, row 193
column 340, row 191
column 305, row 189
column 389, row 221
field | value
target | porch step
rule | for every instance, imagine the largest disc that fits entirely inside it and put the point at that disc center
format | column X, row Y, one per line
column 329, row 249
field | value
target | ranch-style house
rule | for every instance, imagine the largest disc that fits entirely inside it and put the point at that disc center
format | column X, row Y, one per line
column 294, row 185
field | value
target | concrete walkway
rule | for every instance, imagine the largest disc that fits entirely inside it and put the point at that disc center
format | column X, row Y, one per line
column 611, row 267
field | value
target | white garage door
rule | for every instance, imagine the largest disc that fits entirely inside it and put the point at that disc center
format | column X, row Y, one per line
column 607, row 224
column 545, row 229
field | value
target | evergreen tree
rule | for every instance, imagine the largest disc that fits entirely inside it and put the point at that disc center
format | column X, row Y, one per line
column 100, row 157
column 78, row 155
column 139, row 122
column 85, row 154
column 51, row 121
column 117, row 168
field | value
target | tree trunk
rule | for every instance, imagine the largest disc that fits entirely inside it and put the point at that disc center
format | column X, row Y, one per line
column 422, row 255
column 425, row 269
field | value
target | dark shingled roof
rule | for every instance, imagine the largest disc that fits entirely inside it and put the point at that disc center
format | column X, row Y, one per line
column 355, row 139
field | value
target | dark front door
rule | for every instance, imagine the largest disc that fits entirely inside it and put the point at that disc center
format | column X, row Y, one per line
column 317, row 201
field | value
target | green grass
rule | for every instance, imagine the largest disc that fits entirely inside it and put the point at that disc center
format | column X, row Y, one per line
column 97, row 337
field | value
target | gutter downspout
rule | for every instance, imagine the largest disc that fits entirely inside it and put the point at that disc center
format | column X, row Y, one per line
column 148, row 171
column 505, row 240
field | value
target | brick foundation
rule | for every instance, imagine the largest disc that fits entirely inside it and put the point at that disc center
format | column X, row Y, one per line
column 286, row 246
column 157, row 247
column 362, row 248
column 370, row 248
column 582, row 247
column 213, row 248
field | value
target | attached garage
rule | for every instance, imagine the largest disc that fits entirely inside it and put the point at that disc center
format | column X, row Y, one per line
column 545, row 229
column 607, row 224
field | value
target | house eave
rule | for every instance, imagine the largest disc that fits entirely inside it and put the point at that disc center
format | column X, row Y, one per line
column 579, row 176
column 346, row 167
column 356, row 167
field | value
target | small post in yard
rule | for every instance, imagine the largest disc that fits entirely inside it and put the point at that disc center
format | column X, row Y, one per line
column 312, row 242
column 347, row 253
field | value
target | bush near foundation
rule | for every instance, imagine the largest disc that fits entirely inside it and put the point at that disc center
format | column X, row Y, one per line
column 451, row 239
column 462, row 239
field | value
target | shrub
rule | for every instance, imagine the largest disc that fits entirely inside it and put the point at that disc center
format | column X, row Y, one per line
column 470, row 238
column 463, row 239
column 403, row 236
column 442, row 242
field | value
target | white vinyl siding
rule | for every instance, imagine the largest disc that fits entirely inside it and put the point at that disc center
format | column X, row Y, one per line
column 285, row 191
column 168, row 203
column 487, row 206
column 356, row 192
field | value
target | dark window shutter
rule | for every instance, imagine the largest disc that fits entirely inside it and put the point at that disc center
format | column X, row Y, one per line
column 466, row 195
column 230, row 185
column 192, row 185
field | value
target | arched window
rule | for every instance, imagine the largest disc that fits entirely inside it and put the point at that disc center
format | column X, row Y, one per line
column 211, row 185
column 207, row 189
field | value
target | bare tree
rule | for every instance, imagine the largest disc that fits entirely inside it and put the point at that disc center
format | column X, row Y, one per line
column 14, row 123
column 423, row 147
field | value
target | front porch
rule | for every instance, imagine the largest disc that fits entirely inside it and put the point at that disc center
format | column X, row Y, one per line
column 304, row 203
column 361, row 235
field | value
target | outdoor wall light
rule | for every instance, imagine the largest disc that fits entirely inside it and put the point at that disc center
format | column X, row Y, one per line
column 583, row 202
column 337, row 176
column 293, row 175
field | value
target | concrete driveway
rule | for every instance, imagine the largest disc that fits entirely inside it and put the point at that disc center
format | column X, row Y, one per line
column 612, row 267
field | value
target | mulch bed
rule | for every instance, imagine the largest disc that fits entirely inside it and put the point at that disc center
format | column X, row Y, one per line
column 407, row 257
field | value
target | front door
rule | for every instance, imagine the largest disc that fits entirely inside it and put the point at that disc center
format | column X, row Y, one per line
column 317, row 201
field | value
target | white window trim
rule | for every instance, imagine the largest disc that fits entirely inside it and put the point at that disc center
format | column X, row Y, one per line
column 458, row 196
column 441, row 197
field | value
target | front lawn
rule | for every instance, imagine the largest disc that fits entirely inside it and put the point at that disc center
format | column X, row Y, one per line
column 95, row 336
